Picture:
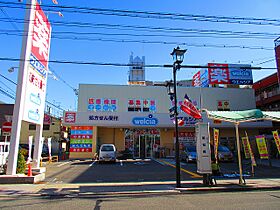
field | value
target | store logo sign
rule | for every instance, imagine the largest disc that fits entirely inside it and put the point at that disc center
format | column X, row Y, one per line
column 145, row 121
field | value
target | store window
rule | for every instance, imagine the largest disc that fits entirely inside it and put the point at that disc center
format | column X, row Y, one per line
column 32, row 127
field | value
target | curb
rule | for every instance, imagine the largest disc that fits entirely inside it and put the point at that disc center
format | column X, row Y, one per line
column 175, row 191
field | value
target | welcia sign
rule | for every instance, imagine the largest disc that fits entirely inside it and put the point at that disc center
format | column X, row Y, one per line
column 145, row 121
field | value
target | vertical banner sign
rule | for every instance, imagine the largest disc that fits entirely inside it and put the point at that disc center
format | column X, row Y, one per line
column 277, row 140
column 277, row 55
column 37, row 70
column 30, row 141
column 262, row 146
column 216, row 142
column 246, row 144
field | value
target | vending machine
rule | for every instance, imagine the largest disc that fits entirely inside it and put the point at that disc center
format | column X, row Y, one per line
column 203, row 148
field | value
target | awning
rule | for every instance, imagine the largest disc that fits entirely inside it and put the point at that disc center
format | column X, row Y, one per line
column 243, row 116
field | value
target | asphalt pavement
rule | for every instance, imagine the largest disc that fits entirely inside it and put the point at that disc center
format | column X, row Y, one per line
column 88, row 178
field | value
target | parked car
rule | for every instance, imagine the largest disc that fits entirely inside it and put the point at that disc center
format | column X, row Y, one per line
column 224, row 154
column 107, row 153
column 189, row 154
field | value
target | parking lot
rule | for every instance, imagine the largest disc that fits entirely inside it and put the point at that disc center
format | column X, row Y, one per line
column 137, row 171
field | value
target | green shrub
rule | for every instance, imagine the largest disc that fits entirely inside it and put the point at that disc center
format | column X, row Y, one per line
column 21, row 164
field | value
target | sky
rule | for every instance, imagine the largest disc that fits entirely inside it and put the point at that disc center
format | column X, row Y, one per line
column 103, row 38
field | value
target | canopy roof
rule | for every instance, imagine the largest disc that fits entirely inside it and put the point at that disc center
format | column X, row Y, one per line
column 243, row 116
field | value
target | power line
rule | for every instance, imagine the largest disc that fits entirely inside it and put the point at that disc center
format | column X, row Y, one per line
column 126, row 65
column 13, row 97
column 193, row 32
column 153, row 15
column 75, row 38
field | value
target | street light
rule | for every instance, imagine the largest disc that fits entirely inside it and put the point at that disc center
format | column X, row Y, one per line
column 178, row 57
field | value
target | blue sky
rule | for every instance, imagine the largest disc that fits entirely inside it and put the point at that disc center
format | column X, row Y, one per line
column 118, row 52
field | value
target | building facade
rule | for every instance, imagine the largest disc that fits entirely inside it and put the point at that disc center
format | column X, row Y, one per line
column 136, row 118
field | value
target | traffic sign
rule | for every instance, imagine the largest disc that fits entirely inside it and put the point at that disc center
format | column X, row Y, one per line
column 7, row 127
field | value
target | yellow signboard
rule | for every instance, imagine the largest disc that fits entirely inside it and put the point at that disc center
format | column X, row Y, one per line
column 262, row 146
column 277, row 140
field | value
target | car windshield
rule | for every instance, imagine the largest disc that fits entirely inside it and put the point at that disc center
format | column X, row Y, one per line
column 191, row 149
column 223, row 149
column 107, row 148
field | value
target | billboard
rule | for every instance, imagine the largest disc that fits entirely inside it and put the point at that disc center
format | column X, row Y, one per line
column 277, row 55
column 217, row 73
column 37, row 69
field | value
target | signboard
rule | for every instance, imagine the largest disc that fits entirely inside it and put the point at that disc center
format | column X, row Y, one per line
column 277, row 140
column 277, row 55
column 37, row 70
column 70, row 117
column 262, row 146
column 248, row 150
column 81, row 139
column 240, row 74
column 102, row 104
column 217, row 73
column 196, row 82
column 216, row 142
column 145, row 121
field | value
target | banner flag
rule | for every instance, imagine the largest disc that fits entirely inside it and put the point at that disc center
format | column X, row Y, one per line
column 246, row 144
column 246, row 147
column 262, row 146
column 277, row 140
column 188, row 107
column 216, row 142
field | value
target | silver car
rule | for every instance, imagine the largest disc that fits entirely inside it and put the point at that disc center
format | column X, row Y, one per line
column 107, row 153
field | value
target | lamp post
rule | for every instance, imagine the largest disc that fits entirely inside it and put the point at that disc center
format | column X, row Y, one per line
column 178, row 57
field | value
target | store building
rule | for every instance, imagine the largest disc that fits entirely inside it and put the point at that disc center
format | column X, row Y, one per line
column 136, row 118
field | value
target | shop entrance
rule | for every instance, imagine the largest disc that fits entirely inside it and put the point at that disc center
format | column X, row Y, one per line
column 142, row 143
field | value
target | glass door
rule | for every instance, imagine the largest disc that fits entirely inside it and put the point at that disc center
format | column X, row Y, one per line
column 136, row 147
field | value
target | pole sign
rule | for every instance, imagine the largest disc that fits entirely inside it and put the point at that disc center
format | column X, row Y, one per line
column 37, row 71
column 277, row 55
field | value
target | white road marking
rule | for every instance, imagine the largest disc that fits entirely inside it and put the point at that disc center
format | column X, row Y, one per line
column 62, row 164
column 93, row 163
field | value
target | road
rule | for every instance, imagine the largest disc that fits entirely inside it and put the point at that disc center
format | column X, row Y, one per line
column 159, row 170
column 237, row 200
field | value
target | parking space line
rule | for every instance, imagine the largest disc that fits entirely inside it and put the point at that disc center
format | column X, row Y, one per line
column 92, row 163
column 194, row 175
column 62, row 164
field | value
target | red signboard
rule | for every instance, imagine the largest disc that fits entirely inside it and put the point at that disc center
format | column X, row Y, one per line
column 7, row 127
column 196, row 80
column 70, row 117
column 41, row 36
column 218, row 73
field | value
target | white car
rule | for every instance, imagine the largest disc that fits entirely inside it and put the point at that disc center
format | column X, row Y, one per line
column 107, row 153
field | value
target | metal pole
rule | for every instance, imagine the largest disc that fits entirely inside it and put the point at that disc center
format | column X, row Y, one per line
column 239, row 154
column 178, row 178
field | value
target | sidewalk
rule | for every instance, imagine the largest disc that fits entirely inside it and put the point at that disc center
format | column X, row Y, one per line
column 136, row 188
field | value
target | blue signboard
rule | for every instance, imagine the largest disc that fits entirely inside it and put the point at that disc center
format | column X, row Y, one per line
column 145, row 121
column 239, row 75
column 204, row 78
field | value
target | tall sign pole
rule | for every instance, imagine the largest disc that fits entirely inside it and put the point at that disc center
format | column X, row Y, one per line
column 277, row 55
column 32, row 79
